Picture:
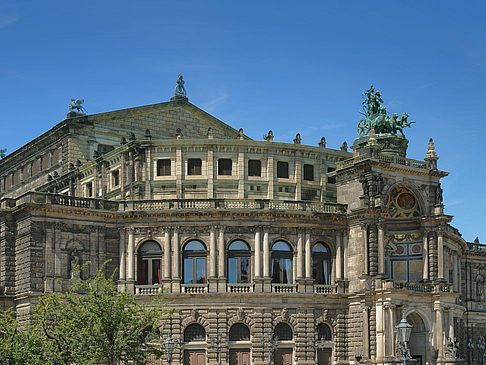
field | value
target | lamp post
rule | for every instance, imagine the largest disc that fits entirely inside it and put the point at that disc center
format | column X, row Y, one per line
column 169, row 345
column 271, row 343
column 218, row 344
column 404, row 330
column 317, row 345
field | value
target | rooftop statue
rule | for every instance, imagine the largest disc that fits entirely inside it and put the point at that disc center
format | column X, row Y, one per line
column 376, row 117
column 77, row 104
column 2, row 152
column 180, row 90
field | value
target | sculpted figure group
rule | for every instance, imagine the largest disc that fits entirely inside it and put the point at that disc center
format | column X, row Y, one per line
column 375, row 116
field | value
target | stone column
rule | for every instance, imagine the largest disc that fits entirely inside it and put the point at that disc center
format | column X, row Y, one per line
column 345, row 256
column 455, row 278
column 300, row 254
column 381, row 248
column 364, row 232
column 308, row 255
column 179, row 171
column 221, row 260
column 439, row 332
column 425, row 275
column 267, row 285
column 451, row 324
column 440, row 255
column 131, row 261
column 389, row 330
column 167, row 253
column 176, row 276
column 240, row 168
column 270, row 176
column 380, row 330
column 258, row 252
column 339, row 257
column 123, row 262
column 308, row 263
column 212, row 251
column 366, row 333
column 266, row 254
column 213, row 256
column 210, row 173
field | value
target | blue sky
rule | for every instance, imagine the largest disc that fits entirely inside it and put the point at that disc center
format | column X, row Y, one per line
column 258, row 65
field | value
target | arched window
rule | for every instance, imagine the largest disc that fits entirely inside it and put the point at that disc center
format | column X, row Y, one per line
column 149, row 263
column 281, row 263
column 239, row 262
column 283, row 332
column 194, row 257
column 239, row 332
column 194, row 332
column 321, row 263
column 323, row 332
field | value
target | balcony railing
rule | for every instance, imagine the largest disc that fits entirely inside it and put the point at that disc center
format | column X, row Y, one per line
column 385, row 158
column 194, row 288
column 325, row 289
column 252, row 204
column 284, row 288
column 420, row 287
column 148, row 289
column 239, row 288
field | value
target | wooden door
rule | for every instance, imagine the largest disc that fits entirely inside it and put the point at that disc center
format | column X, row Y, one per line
column 239, row 357
column 194, row 357
column 283, row 357
column 324, row 356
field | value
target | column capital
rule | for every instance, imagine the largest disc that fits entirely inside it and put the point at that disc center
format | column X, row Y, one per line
column 213, row 227
column 438, row 307
column 364, row 225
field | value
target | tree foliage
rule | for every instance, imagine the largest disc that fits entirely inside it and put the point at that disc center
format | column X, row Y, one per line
column 19, row 345
column 95, row 323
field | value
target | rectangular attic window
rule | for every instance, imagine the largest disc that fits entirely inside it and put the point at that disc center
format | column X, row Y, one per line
column 225, row 166
column 194, row 166
column 283, row 169
column 163, row 167
column 254, row 168
column 308, row 172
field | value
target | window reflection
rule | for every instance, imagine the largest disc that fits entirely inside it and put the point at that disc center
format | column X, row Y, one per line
column 194, row 259
column 321, row 264
column 239, row 262
column 281, row 263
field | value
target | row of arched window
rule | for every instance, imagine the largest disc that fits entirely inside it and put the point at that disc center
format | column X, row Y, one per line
column 194, row 262
column 240, row 332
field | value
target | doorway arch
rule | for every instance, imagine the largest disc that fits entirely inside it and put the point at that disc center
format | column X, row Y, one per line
column 419, row 344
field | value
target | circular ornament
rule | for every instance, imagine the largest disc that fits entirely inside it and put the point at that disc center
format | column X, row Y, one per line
column 416, row 249
column 406, row 201
column 400, row 250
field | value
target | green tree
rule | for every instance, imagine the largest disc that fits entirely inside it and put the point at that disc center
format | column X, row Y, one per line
column 94, row 322
column 19, row 345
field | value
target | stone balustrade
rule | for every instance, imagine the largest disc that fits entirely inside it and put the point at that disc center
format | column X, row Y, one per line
column 284, row 288
column 148, row 289
column 173, row 204
column 239, row 288
column 385, row 158
column 325, row 289
column 194, row 288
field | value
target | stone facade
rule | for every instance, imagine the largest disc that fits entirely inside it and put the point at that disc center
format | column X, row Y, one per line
column 283, row 238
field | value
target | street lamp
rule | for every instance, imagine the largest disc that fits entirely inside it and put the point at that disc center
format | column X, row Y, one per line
column 270, row 342
column 169, row 345
column 404, row 330
column 318, row 345
column 218, row 344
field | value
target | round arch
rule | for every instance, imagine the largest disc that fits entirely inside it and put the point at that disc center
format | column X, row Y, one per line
column 291, row 245
column 283, row 331
column 141, row 241
column 239, row 332
column 194, row 333
column 419, row 344
column 405, row 200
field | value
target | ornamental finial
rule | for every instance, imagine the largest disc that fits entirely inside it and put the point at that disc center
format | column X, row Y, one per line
column 431, row 150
